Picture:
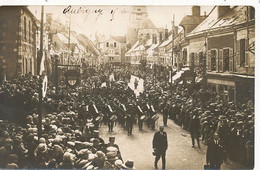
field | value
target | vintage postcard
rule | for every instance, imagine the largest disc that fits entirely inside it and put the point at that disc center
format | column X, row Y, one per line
column 127, row 86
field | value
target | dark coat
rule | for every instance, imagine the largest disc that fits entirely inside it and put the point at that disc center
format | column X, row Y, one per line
column 214, row 153
column 160, row 142
column 194, row 125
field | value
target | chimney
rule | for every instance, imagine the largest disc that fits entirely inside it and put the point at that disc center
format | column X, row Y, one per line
column 222, row 10
column 196, row 11
column 160, row 37
column 166, row 33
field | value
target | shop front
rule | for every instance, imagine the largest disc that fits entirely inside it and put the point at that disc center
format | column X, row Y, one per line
column 225, row 87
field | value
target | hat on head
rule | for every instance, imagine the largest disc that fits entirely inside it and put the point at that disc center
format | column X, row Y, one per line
column 129, row 164
column 11, row 166
column 42, row 148
column 42, row 140
column 67, row 157
column 96, row 132
column 111, row 138
column 118, row 163
column 100, row 154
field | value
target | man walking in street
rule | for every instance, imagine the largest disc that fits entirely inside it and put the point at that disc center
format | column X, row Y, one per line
column 214, row 156
column 160, row 145
column 195, row 129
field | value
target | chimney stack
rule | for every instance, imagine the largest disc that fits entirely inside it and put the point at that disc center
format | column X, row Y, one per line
column 160, row 37
column 166, row 33
column 222, row 10
column 196, row 11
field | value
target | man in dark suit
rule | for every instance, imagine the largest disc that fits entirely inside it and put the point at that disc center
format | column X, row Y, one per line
column 214, row 155
column 195, row 129
column 160, row 145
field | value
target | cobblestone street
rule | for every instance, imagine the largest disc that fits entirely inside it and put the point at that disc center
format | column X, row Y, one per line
column 180, row 154
column 138, row 147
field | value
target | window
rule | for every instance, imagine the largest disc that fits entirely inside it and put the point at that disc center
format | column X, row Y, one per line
column 200, row 58
column 192, row 56
column 242, row 52
column 213, row 60
column 226, row 60
column 29, row 32
column 24, row 27
column 184, row 54
column 251, row 13
column 114, row 44
column 148, row 36
column 107, row 44
column 111, row 51
column 138, row 9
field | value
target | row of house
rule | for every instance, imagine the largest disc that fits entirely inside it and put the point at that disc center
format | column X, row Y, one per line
column 20, row 42
column 225, row 38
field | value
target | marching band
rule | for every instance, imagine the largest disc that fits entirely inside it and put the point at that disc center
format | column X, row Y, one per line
column 126, row 114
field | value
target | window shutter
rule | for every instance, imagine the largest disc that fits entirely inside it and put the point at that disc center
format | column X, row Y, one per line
column 209, row 60
column 238, row 53
column 246, row 53
column 221, row 60
column 196, row 59
column 217, row 61
column 247, row 59
column 231, row 60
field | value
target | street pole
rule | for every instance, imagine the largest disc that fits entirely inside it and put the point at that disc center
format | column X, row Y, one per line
column 204, row 78
column 40, row 78
column 56, row 75
column 69, row 40
column 173, row 34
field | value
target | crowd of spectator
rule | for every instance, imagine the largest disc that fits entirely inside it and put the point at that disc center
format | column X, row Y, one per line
column 72, row 116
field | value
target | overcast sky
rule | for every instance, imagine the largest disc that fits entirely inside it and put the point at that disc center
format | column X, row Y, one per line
column 113, row 19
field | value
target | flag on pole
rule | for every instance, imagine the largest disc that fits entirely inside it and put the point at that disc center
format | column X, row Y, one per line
column 45, row 66
column 45, row 70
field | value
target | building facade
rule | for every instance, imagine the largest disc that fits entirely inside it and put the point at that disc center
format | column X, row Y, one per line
column 112, row 50
column 18, row 41
column 227, row 38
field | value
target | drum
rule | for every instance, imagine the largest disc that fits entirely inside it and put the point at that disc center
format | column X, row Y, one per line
column 155, row 117
column 99, row 118
column 113, row 118
column 143, row 117
column 127, row 116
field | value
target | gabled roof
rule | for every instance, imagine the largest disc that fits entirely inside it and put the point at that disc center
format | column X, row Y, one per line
column 108, row 40
column 234, row 16
column 166, row 42
column 140, row 47
column 146, row 24
column 153, row 46
column 88, row 43
column 191, row 20
column 133, row 47
column 62, row 38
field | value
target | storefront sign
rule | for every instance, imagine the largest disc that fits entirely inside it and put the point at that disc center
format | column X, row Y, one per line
column 223, row 82
column 72, row 78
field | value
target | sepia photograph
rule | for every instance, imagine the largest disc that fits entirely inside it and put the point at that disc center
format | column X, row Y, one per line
column 127, row 87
